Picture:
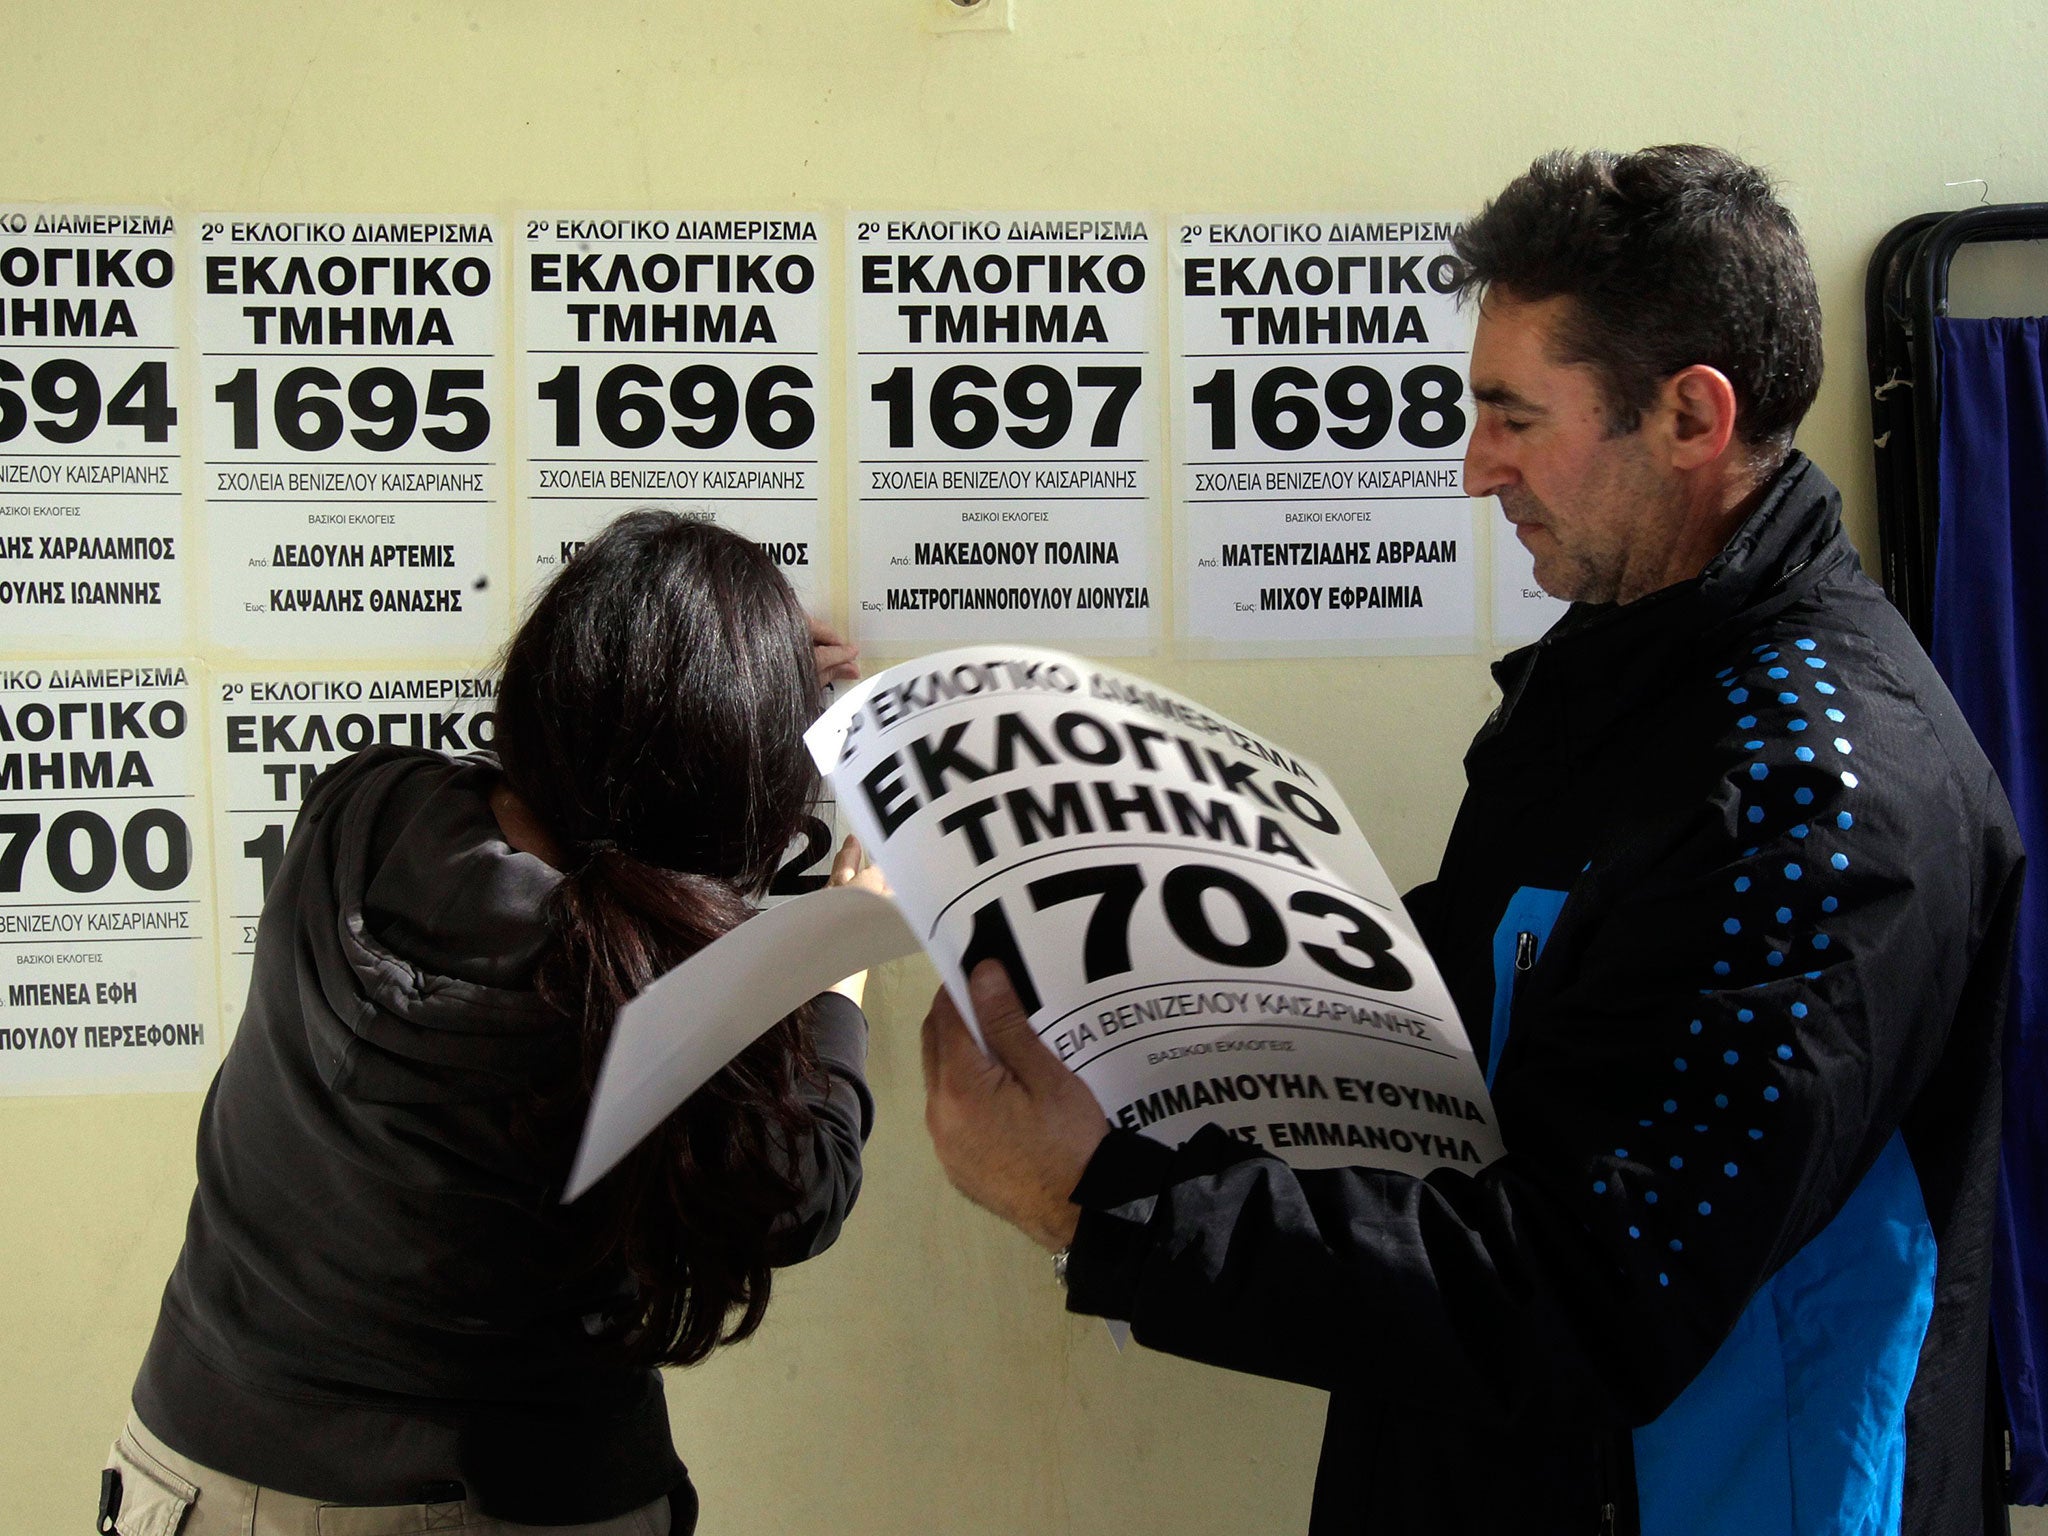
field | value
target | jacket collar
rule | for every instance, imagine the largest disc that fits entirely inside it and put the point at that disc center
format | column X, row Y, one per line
column 1790, row 541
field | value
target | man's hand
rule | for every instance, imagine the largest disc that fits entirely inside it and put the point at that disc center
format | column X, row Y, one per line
column 1013, row 1128
column 833, row 652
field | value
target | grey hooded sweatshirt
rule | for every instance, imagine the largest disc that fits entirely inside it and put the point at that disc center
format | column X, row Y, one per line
column 381, row 1297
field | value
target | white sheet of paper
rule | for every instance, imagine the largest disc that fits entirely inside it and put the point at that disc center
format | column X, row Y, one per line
column 611, row 417
column 671, row 1038
column 1192, row 916
column 1007, row 461
column 353, row 479
column 1321, row 508
column 107, row 948
column 94, row 517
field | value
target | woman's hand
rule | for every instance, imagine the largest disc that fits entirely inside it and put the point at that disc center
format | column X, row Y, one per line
column 847, row 870
column 850, row 868
column 835, row 655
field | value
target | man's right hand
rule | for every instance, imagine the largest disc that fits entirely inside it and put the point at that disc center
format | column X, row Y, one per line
column 1013, row 1127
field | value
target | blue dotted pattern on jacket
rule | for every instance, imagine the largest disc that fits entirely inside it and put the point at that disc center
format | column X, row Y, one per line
column 1730, row 1067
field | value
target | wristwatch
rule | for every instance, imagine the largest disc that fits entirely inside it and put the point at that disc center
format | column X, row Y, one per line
column 1059, row 1267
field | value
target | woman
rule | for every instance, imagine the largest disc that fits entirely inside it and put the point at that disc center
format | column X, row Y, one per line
column 381, row 1300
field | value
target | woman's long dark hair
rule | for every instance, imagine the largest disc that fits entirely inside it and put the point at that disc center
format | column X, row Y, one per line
column 651, row 714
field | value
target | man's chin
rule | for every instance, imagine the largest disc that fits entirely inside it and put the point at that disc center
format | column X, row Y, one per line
column 1555, row 582
column 1543, row 552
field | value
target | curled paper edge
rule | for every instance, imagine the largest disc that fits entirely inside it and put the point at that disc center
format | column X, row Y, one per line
column 670, row 1039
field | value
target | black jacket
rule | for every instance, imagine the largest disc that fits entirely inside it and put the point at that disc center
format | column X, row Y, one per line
column 380, row 1294
column 1727, row 911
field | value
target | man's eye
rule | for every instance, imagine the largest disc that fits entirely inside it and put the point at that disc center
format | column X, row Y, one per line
column 1513, row 425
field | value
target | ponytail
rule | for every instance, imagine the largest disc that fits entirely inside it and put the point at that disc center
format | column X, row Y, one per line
column 691, row 1210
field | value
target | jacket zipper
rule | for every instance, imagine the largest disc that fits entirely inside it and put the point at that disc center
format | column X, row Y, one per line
column 1525, row 961
column 1609, row 1474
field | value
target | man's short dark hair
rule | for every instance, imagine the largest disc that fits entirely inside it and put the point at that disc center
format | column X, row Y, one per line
column 1670, row 256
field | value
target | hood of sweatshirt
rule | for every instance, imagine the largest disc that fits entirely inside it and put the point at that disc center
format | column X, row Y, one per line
column 420, row 929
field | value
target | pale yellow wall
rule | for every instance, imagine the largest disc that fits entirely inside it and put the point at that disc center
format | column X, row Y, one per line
column 922, row 1376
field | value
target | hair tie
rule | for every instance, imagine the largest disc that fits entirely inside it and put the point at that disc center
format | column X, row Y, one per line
column 587, row 854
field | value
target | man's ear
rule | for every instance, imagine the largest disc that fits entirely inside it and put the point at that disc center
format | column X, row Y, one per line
column 1696, row 412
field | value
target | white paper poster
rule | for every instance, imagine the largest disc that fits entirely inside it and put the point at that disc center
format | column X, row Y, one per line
column 1522, row 611
column 1006, row 431
column 1189, row 913
column 105, row 910
column 350, row 379
column 91, row 481
column 673, row 360
column 273, row 732
column 1322, row 411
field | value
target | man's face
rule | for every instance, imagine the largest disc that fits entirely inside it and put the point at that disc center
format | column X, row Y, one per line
column 1586, row 504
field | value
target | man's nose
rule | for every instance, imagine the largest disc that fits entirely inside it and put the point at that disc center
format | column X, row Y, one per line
column 1488, row 466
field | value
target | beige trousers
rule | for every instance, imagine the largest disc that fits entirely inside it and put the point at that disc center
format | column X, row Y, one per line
column 165, row 1494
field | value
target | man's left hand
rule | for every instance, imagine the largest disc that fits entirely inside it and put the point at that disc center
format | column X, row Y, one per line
column 1013, row 1128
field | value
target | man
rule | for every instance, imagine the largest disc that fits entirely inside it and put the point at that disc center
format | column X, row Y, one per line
column 1726, row 911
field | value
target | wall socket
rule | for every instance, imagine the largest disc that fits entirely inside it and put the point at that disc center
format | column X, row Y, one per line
column 973, row 16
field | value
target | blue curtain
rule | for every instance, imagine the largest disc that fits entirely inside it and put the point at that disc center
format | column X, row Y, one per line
column 1991, row 644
